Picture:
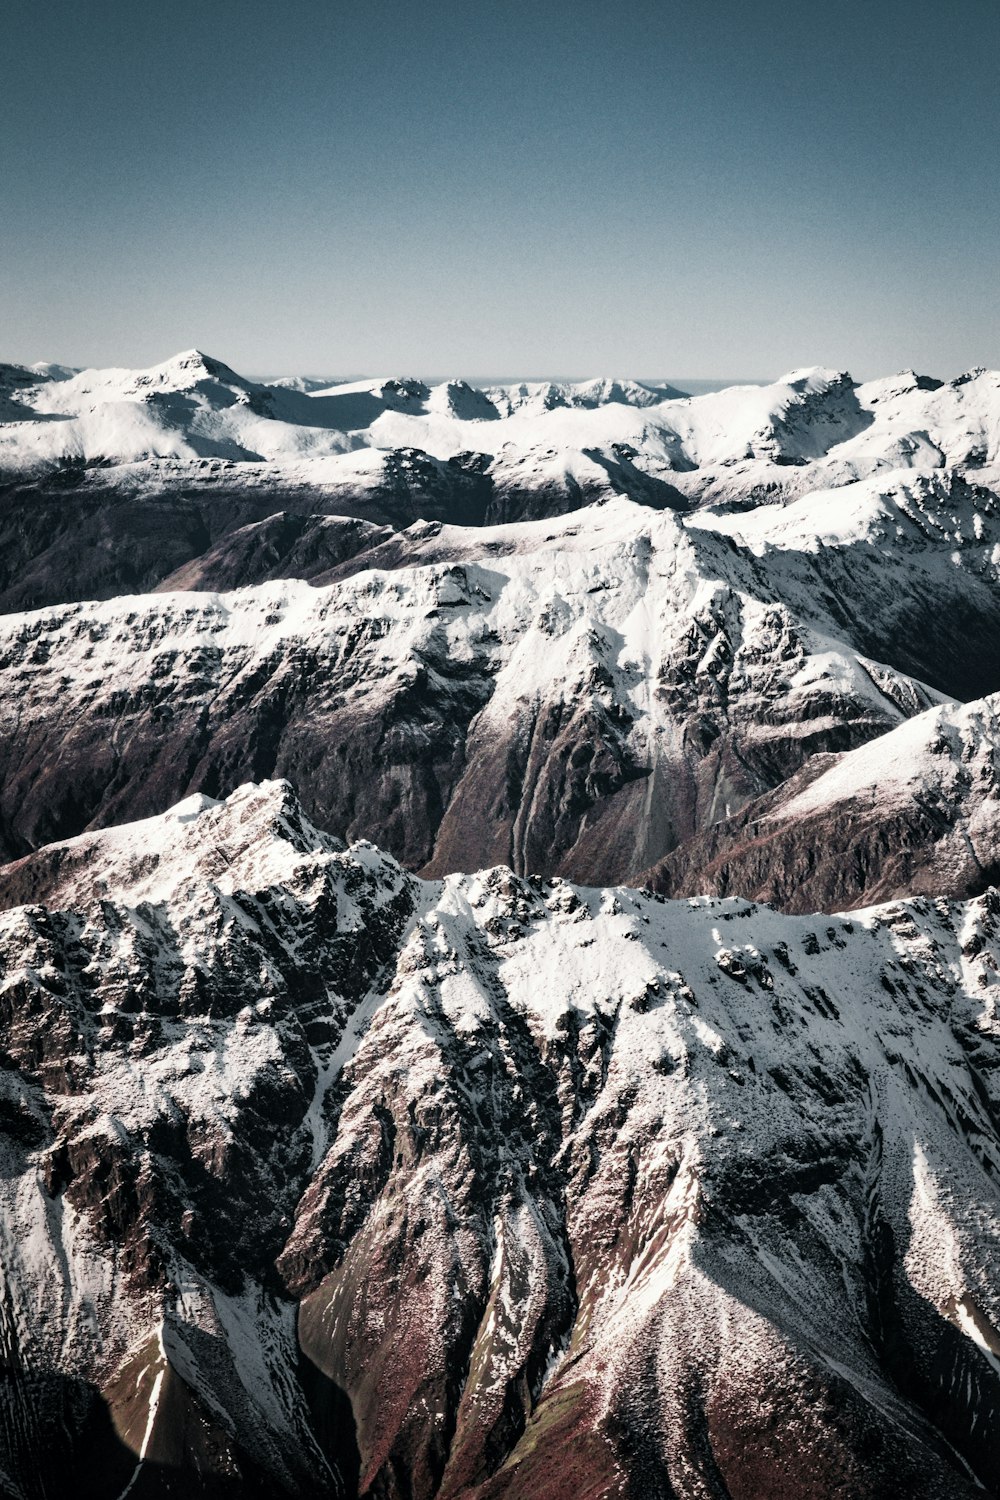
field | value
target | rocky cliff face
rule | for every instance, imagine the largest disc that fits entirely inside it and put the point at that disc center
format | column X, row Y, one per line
column 319, row 1179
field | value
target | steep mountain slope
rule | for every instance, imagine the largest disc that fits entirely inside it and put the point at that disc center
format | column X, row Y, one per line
column 572, row 699
column 321, row 1179
column 906, row 567
column 586, row 697
column 916, row 811
column 328, row 1171
column 581, row 697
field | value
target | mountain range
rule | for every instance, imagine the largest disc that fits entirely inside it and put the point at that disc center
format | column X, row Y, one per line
column 499, row 938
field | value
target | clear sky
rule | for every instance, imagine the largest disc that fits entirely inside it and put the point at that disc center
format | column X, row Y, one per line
column 572, row 187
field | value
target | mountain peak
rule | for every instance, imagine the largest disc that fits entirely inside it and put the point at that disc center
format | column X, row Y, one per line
column 195, row 362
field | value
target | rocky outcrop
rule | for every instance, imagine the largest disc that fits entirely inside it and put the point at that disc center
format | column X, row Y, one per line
column 321, row 1179
column 905, row 567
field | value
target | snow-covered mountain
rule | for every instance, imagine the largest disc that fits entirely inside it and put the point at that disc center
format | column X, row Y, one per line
column 112, row 479
column 332, row 1170
column 485, row 1187
column 583, row 696
column 193, row 407
column 726, row 443
column 576, row 698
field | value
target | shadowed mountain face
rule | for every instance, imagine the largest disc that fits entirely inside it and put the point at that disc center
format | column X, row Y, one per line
column 329, row 1169
column 86, row 534
column 320, row 1179
column 918, row 810
column 82, row 533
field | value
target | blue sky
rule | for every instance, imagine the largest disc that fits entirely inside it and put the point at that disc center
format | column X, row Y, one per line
column 704, row 189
